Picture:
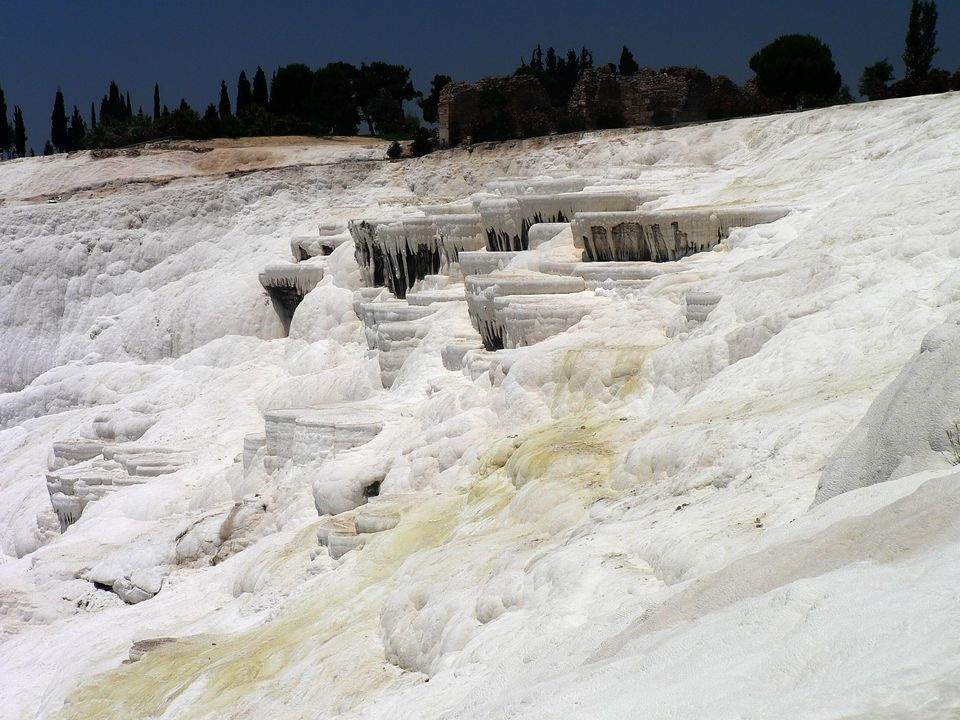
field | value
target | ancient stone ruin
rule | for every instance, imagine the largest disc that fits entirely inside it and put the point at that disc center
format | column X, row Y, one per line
column 519, row 106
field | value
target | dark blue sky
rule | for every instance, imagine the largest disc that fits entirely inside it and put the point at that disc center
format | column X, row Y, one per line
column 188, row 47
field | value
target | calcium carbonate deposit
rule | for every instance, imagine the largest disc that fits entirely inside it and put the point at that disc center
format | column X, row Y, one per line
column 655, row 424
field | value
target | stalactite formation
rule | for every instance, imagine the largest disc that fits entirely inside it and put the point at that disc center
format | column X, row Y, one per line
column 662, row 236
column 507, row 221
column 287, row 284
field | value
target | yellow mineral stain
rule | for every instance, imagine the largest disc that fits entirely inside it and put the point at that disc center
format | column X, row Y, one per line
column 534, row 485
column 320, row 629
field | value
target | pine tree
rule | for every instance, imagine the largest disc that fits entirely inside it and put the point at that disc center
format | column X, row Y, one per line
column 875, row 80
column 224, row 107
column 48, row 149
column 260, row 88
column 19, row 132
column 58, row 123
column 921, row 39
column 628, row 66
column 93, row 117
column 156, row 102
column 244, row 94
column 129, row 108
column 6, row 135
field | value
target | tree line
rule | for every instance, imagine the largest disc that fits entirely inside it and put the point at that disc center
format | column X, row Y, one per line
column 335, row 99
column 339, row 98
column 920, row 46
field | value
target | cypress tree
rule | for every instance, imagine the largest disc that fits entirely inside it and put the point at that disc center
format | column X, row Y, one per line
column 77, row 131
column 628, row 66
column 224, row 107
column 156, row 102
column 112, row 106
column 48, row 149
column 244, row 94
column 431, row 104
column 129, row 108
column 536, row 59
column 921, row 40
column 19, row 132
column 586, row 59
column 6, row 135
column 93, row 117
column 58, row 123
column 211, row 121
column 260, row 88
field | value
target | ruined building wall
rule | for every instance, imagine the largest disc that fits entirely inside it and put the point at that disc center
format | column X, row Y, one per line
column 518, row 106
column 494, row 108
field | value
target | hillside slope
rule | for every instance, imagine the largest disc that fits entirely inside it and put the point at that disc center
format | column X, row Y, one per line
column 622, row 523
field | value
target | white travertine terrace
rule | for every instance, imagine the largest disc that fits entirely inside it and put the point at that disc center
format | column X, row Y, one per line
column 278, row 429
column 457, row 207
column 373, row 314
column 484, row 262
column 83, row 471
column 142, row 647
column 341, row 534
column 324, row 432
column 395, row 343
column 529, row 319
column 370, row 294
column 599, row 274
column 288, row 283
column 410, row 252
column 71, row 489
column 399, row 252
column 663, row 235
column 632, row 509
column 507, row 221
column 540, row 185
column 374, row 518
column 481, row 291
column 452, row 355
column 253, row 444
column 390, row 327
column 457, row 233
column 544, row 232
column 329, row 238
column 122, row 424
column 300, row 278
column 451, row 293
column 71, row 452
column 699, row 304
column 305, row 435
column 368, row 254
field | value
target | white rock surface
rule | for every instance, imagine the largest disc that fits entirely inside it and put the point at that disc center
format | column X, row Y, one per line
column 615, row 521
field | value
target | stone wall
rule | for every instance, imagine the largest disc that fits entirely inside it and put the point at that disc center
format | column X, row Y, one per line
column 518, row 106
column 494, row 109
column 648, row 97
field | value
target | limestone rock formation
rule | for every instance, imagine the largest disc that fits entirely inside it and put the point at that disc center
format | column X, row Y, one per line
column 905, row 429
